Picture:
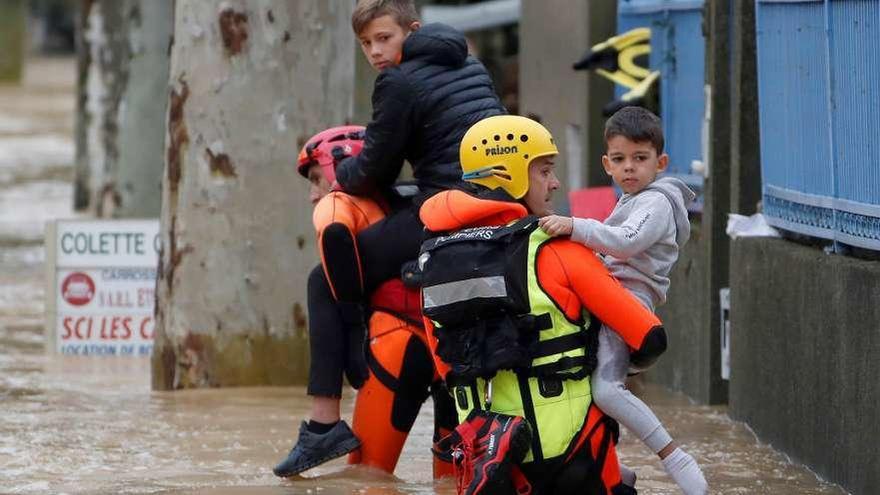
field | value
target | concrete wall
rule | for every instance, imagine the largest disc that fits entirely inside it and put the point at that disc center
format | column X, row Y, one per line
column 805, row 341
column 553, row 35
column 686, row 366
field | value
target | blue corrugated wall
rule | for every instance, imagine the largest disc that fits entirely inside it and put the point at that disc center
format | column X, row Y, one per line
column 678, row 51
column 819, row 90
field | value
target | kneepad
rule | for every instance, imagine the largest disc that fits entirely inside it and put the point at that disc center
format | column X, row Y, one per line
column 652, row 347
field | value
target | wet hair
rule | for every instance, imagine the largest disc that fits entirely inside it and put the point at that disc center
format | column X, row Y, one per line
column 402, row 11
column 637, row 124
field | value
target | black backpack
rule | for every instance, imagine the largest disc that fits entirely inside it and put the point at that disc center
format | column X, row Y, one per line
column 475, row 289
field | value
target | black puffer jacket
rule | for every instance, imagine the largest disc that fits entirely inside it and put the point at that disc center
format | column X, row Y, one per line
column 421, row 109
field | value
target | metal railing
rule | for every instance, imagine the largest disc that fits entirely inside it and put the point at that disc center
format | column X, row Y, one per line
column 678, row 52
column 819, row 93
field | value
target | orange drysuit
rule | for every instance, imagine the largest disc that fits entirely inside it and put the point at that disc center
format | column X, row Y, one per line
column 577, row 281
column 401, row 371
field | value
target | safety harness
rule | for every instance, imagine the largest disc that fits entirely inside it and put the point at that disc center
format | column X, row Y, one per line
column 513, row 351
column 509, row 346
column 476, row 290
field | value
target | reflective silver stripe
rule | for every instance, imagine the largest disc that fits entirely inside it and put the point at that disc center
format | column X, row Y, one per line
column 462, row 290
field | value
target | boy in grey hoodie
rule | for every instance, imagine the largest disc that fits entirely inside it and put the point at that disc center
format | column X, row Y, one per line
column 640, row 241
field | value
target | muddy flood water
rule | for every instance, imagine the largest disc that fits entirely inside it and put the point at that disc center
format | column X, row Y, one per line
column 92, row 424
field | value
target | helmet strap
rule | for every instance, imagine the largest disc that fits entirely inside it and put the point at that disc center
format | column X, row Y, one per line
column 480, row 173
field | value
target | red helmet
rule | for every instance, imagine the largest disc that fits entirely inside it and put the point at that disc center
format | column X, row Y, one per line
column 319, row 149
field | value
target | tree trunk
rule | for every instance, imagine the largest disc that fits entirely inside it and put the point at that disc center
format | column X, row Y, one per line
column 102, row 54
column 136, row 192
column 251, row 81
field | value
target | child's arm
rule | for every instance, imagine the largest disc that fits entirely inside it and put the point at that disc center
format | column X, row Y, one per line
column 385, row 139
column 649, row 222
column 566, row 266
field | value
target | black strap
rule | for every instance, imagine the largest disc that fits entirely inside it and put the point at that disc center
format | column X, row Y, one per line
column 475, row 396
column 614, row 427
column 400, row 315
column 557, row 345
column 595, row 324
column 381, row 374
column 533, row 323
column 591, row 341
column 525, row 393
column 400, row 388
column 603, row 446
column 559, row 368
column 453, row 380
column 584, row 338
column 488, row 233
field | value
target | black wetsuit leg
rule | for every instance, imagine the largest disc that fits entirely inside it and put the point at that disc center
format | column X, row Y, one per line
column 383, row 248
column 327, row 339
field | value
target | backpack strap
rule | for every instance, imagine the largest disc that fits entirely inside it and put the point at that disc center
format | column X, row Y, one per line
column 525, row 225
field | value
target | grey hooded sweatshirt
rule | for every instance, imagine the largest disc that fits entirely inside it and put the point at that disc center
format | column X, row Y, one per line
column 642, row 236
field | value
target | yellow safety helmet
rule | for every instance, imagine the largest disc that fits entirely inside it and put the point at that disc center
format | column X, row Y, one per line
column 496, row 152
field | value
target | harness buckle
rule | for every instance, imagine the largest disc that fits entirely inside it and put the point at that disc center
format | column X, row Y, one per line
column 487, row 399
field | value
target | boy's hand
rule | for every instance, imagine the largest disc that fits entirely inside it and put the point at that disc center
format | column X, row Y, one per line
column 339, row 153
column 556, row 225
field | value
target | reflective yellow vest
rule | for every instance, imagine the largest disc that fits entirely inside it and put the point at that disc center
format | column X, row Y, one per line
column 556, row 401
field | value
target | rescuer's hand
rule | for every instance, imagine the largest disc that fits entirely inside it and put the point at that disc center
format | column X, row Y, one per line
column 555, row 225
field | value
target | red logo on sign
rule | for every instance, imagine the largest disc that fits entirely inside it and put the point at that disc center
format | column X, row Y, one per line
column 78, row 289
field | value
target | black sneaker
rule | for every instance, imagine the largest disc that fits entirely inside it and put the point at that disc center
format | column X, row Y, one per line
column 312, row 449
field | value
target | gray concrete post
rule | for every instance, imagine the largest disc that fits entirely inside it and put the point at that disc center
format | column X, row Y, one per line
column 717, row 186
column 693, row 362
column 601, row 25
column 745, row 148
column 553, row 35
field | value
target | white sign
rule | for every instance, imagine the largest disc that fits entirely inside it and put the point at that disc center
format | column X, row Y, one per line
column 725, row 333
column 120, row 243
column 102, row 280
